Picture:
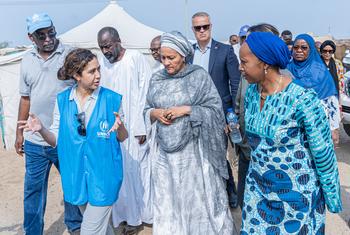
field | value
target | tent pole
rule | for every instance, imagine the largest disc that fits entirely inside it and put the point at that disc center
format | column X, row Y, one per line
column 187, row 18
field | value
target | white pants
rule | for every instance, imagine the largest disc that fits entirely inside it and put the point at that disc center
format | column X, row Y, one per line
column 96, row 220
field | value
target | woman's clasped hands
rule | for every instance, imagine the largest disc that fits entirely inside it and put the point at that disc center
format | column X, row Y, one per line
column 167, row 116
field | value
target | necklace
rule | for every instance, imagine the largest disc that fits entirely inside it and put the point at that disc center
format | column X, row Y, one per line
column 263, row 97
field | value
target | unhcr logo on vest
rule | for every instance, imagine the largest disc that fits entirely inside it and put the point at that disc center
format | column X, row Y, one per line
column 104, row 127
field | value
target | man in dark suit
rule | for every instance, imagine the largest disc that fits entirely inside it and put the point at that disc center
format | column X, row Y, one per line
column 222, row 65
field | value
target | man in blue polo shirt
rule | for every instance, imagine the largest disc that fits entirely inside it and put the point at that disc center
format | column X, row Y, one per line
column 38, row 89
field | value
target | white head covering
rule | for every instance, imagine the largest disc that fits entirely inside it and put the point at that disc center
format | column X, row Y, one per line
column 176, row 41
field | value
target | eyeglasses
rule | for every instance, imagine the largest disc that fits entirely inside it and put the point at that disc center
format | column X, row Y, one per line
column 200, row 27
column 303, row 48
column 327, row 51
column 81, row 119
column 153, row 50
column 42, row 36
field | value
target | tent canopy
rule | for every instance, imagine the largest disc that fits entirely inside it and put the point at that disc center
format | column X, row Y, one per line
column 133, row 34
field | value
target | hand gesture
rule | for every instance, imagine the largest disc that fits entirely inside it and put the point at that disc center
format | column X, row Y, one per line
column 228, row 128
column 117, row 122
column 33, row 124
column 159, row 114
column 335, row 137
column 176, row 112
column 141, row 138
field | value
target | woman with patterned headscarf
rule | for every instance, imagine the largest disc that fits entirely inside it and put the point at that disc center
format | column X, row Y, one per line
column 293, row 169
column 186, row 124
column 310, row 72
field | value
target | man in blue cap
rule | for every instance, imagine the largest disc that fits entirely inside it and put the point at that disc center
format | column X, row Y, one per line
column 243, row 34
column 38, row 89
column 240, row 40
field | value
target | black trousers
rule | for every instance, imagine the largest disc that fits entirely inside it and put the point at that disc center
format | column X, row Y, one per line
column 243, row 166
column 230, row 187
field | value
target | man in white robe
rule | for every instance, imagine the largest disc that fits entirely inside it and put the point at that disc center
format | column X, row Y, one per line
column 155, row 50
column 127, row 72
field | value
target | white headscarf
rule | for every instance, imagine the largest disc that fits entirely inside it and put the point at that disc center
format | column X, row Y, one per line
column 176, row 41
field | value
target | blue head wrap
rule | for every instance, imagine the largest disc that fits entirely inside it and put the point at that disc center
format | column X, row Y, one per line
column 269, row 48
column 312, row 73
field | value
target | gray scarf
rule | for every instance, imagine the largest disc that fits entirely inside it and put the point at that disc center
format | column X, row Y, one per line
column 192, row 86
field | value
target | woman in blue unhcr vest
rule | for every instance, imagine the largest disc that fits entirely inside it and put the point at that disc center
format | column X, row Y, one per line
column 87, row 130
column 293, row 172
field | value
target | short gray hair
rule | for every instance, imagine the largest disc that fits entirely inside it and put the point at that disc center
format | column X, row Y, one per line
column 157, row 38
column 201, row 14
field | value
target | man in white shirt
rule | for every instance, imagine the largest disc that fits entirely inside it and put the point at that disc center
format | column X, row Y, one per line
column 233, row 39
column 155, row 50
column 128, row 73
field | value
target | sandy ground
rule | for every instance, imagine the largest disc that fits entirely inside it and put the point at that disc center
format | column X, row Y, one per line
column 11, row 196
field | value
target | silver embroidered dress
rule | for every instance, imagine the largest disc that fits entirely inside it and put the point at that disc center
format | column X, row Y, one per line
column 189, row 165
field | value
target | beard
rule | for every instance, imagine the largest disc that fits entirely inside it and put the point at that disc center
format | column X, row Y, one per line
column 48, row 48
column 112, row 57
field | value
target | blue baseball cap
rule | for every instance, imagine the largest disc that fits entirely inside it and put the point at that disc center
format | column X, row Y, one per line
column 243, row 30
column 38, row 21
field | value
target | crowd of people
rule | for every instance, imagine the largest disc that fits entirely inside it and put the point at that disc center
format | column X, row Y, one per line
column 140, row 144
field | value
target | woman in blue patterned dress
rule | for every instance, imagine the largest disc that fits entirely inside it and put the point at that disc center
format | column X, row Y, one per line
column 293, row 172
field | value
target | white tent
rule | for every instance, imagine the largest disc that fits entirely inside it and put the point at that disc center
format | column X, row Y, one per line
column 9, row 82
column 134, row 35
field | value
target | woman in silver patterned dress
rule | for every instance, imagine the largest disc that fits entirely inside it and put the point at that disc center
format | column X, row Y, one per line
column 186, row 124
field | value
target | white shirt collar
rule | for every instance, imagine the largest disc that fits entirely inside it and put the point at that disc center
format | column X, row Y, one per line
column 73, row 93
column 208, row 46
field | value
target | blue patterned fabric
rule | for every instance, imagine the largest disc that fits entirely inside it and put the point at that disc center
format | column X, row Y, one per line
column 293, row 171
column 269, row 48
column 312, row 72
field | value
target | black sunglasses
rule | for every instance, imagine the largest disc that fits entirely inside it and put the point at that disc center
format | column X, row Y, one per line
column 328, row 51
column 42, row 36
column 303, row 48
column 200, row 27
column 81, row 119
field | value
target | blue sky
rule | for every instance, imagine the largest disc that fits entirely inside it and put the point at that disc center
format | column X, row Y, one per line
column 299, row 16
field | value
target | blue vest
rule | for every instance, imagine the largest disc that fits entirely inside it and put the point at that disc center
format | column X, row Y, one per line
column 91, row 166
